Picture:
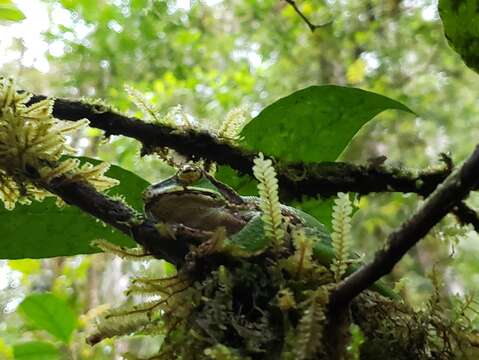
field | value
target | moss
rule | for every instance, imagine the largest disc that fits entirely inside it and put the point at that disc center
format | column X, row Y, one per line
column 236, row 310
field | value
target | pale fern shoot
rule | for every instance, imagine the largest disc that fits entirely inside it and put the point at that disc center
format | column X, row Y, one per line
column 95, row 175
column 310, row 327
column 119, row 322
column 303, row 251
column 33, row 142
column 269, row 201
column 342, row 210
column 234, row 122
column 135, row 254
column 143, row 104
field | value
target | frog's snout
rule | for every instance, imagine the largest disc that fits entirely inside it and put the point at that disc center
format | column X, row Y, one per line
column 147, row 193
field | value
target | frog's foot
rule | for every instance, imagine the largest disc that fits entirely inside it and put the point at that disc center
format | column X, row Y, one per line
column 191, row 235
column 199, row 254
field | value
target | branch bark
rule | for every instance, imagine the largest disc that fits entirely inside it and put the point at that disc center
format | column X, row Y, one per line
column 444, row 199
column 295, row 179
column 121, row 217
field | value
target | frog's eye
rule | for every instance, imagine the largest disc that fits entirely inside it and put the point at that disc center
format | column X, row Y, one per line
column 188, row 174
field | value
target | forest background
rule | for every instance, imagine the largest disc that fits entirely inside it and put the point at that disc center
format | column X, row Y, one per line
column 213, row 56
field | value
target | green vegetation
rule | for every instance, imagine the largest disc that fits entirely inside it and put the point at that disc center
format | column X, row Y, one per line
column 251, row 77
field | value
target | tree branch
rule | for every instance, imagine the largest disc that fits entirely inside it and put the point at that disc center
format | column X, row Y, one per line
column 466, row 216
column 295, row 179
column 454, row 189
column 121, row 217
column 446, row 197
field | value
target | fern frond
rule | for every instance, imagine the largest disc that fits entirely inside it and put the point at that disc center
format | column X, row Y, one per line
column 303, row 250
column 342, row 210
column 269, row 201
column 222, row 352
column 95, row 175
column 64, row 167
column 148, row 307
column 286, row 300
column 143, row 104
column 145, row 290
column 111, row 326
column 9, row 191
column 71, row 126
column 234, row 122
column 122, row 252
column 177, row 116
column 310, row 327
column 32, row 141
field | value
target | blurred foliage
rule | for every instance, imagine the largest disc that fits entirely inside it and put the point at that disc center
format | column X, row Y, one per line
column 211, row 56
column 9, row 12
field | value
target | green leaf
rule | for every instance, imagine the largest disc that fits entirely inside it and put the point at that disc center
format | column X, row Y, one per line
column 35, row 350
column 243, row 184
column 9, row 12
column 314, row 124
column 48, row 312
column 42, row 230
column 321, row 209
column 459, row 19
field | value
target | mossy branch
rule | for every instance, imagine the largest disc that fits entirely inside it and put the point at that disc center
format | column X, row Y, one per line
column 295, row 179
column 454, row 189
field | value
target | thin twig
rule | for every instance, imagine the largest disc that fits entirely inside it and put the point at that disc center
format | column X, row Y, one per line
column 122, row 217
column 311, row 26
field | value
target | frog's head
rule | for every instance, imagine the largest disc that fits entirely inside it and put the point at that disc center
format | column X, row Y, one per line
column 190, row 198
column 188, row 177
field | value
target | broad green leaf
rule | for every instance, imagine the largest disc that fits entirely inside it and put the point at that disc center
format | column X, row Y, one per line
column 9, row 12
column 43, row 230
column 314, row 124
column 48, row 312
column 460, row 22
column 35, row 350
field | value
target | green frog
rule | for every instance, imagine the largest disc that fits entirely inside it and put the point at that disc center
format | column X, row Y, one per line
column 202, row 207
column 196, row 200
